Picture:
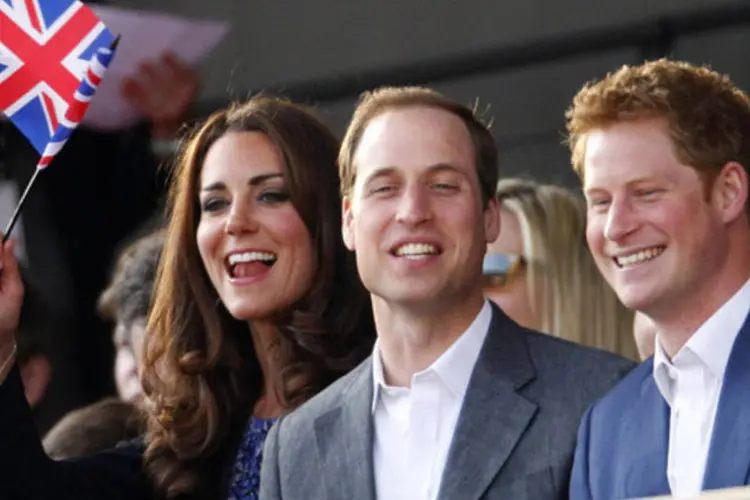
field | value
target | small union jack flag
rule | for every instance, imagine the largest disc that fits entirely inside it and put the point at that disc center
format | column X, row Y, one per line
column 78, row 105
column 53, row 54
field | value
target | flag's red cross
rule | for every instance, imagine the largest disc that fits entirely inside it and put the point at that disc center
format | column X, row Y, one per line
column 43, row 61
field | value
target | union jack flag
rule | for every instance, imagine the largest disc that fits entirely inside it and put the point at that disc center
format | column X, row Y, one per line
column 47, row 49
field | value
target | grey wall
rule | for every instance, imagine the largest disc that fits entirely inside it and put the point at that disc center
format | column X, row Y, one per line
column 282, row 41
column 283, row 44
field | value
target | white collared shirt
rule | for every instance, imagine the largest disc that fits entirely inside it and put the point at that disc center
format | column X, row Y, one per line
column 691, row 384
column 413, row 427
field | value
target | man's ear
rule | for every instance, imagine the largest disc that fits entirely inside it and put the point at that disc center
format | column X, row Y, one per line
column 729, row 191
column 491, row 220
column 347, row 219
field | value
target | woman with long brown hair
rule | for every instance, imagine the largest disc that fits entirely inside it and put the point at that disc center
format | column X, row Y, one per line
column 257, row 307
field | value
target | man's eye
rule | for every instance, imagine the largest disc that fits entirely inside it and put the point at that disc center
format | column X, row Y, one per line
column 382, row 189
column 599, row 204
column 648, row 194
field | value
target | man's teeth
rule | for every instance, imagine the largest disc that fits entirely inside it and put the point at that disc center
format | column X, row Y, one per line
column 236, row 258
column 416, row 250
column 639, row 257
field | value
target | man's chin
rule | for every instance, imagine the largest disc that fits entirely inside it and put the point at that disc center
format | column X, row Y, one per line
column 639, row 298
column 416, row 301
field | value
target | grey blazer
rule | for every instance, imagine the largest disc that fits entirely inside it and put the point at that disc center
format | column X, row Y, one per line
column 514, row 438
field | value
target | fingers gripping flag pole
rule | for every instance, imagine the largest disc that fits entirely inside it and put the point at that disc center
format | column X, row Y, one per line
column 76, row 108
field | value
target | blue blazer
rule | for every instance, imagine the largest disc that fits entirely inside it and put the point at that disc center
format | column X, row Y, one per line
column 623, row 438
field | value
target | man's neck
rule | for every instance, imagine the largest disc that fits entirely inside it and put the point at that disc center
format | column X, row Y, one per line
column 410, row 341
column 676, row 325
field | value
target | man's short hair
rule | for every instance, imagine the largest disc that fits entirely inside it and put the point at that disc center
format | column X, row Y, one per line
column 708, row 116
column 376, row 102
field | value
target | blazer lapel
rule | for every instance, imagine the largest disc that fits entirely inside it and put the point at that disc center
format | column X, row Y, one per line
column 647, row 432
column 344, row 440
column 729, row 455
column 493, row 417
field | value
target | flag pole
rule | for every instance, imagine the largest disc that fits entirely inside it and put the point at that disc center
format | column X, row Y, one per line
column 17, row 211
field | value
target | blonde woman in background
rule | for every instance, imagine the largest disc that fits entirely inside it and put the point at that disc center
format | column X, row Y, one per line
column 540, row 271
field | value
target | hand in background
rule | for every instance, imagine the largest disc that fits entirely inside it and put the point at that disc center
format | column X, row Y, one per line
column 11, row 299
column 163, row 91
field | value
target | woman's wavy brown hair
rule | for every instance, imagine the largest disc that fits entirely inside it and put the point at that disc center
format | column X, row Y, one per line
column 201, row 375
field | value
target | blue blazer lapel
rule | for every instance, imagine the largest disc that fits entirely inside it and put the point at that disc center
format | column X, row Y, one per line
column 729, row 455
column 649, row 429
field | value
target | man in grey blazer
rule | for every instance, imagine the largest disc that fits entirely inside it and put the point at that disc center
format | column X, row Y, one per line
column 457, row 401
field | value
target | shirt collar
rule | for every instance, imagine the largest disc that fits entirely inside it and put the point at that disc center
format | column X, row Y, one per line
column 712, row 343
column 454, row 367
column 378, row 378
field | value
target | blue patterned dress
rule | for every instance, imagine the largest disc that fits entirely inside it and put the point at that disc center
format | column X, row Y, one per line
column 246, row 476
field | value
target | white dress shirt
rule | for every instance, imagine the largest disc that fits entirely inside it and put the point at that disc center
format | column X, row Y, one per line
column 691, row 384
column 413, row 427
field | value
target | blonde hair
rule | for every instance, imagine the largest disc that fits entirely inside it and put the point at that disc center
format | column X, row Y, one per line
column 707, row 116
column 566, row 291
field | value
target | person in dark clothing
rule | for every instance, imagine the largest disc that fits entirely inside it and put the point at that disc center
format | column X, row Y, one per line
column 99, row 189
column 257, row 307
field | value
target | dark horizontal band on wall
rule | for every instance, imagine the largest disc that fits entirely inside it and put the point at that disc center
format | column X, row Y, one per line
column 653, row 37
